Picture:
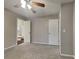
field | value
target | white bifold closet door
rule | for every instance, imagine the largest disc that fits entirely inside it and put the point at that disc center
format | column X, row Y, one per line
column 27, row 31
column 53, row 32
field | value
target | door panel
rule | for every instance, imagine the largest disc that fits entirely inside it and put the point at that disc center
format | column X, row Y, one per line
column 53, row 32
column 27, row 31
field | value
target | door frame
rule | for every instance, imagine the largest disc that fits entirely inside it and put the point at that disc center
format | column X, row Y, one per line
column 30, row 30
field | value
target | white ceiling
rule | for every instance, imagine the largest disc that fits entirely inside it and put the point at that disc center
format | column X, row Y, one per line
column 52, row 7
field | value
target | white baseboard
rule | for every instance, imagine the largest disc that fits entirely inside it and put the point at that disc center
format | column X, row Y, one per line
column 9, row 47
column 67, row 55
column 39, row 42
column 43, row 43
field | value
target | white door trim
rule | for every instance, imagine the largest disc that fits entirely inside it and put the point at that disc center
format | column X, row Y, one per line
column 60, row 32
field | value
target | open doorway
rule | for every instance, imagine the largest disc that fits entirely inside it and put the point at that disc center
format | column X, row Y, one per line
column 23, row 31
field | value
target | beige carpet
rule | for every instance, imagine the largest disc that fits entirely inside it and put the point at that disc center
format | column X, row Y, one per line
column 32, row 51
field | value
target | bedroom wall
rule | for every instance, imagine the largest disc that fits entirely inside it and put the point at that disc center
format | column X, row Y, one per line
column 40, row 29
column 10, row 27
column 67, row 29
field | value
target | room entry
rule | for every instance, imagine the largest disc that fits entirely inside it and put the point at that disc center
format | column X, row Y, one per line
column 53, row 32
column 23, row 31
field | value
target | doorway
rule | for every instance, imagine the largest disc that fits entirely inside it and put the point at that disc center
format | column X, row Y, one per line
column 23, row 31
column 53, row 32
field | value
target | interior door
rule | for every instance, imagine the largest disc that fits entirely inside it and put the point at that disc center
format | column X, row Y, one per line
column 53, row 32
column 27, row 31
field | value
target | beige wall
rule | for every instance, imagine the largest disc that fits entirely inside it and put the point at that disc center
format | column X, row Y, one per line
column 40, row 29
column 67, row 29
column 10, row 26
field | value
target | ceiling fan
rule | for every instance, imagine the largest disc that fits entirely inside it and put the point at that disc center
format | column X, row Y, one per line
column 30, row 4
column 36, row 3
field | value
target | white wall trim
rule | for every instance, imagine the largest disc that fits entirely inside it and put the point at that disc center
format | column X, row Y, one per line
column 60, row 31
column 43, row 43
column 67, row 55
column 9, row 47
column 40, row 42
column 73, row 28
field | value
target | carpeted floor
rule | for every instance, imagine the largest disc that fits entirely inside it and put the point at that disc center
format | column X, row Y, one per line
column 32, row 51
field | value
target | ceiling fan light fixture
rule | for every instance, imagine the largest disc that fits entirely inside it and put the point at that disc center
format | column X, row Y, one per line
column 29, row 7
column 23, row 6
column 23, row 3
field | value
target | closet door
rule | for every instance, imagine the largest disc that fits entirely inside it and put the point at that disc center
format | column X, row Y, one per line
column 53, row 32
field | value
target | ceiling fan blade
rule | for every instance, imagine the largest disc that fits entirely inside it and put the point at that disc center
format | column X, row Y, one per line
column 38, row 4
